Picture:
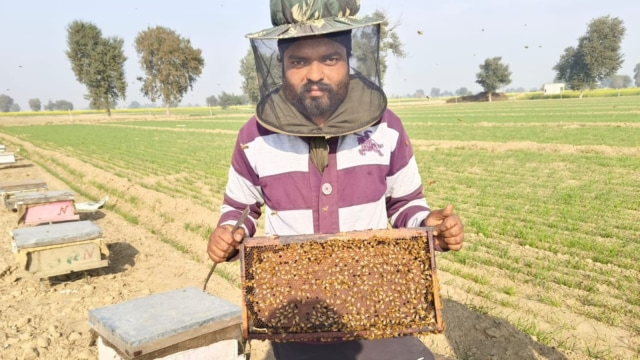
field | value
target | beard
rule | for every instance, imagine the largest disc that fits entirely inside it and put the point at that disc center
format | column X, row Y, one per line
column 317, row 106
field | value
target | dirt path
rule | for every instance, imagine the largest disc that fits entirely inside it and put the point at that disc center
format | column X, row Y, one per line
column 48, row 319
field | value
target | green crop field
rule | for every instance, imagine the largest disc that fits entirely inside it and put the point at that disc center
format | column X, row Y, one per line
column 549, row 191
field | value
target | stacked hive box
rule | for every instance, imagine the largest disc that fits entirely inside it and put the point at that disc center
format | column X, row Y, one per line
column 50, row 238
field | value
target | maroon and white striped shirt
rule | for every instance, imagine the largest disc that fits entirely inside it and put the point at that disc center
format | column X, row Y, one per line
column 371, row 181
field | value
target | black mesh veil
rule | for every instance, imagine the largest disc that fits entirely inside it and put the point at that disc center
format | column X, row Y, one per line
column 364, row 61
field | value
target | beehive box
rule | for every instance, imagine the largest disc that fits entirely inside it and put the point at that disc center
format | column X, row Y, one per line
column 179, row 324
column 56, row 249
column 36, row 198
column 42, row 207
column 353, row 285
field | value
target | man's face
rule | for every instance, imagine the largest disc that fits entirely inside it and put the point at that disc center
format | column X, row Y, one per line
column 316, row 76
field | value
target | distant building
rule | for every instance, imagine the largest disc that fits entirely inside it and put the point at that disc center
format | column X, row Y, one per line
column 553, row 89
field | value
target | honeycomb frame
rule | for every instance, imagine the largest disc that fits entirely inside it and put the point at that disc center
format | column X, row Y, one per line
column 350, row 285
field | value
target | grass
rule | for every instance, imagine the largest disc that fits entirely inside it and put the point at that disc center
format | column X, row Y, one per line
column 547, row 189
column 152, row 113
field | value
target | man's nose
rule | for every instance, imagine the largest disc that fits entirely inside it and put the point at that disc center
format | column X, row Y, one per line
column 315, row 72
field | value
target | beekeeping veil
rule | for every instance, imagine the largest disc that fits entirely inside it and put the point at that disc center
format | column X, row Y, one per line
column 337, row 21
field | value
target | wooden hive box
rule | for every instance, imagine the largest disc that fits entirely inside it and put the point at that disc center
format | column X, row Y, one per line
column 57, row 249
column 10, row 188
column 42, row 207
column 352, row 285
column 180, row 324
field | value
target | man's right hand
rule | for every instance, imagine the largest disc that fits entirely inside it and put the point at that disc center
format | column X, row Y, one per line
column 222, row 246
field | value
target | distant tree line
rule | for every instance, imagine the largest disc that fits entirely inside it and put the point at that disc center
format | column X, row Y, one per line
column 8, row 105
column 58, row 105
column 592, row 63
column 616, row 82
column 225, row 100
column 172, row 65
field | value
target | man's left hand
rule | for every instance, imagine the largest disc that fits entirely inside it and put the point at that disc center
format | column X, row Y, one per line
column 447, row 228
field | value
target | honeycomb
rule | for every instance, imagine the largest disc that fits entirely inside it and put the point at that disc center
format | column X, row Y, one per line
column 352, row 285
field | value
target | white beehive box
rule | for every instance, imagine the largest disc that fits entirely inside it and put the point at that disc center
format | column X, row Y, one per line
column 181, row 324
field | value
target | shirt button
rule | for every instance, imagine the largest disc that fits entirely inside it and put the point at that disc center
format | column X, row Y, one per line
column 327, row 188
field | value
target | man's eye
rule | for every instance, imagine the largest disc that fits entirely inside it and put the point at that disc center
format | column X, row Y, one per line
column 297, row 62
column 331, row 60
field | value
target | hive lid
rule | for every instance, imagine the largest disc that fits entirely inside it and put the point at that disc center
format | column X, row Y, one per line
column 40, row 197
column 54, row 234
column 149, row 323
column 21, row 185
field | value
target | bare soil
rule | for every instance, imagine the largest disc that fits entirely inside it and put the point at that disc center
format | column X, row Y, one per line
column 47, row 318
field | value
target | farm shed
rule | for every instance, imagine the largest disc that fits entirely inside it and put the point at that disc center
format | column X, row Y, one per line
column 553, row 89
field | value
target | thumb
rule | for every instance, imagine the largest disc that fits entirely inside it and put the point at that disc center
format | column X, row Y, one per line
column 238, row 236
column 437, row 216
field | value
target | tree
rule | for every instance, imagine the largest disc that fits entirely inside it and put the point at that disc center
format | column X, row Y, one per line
column 134, row 105
column 35, row 104
column 463, row 91
column 419, row 94
column 50, row 106
column 98, row 63
column 227, row 100
column 493, row 75
column 389, row 42
column 5, row 103
column 636, row 74
column 435, row 92
column 616, row 81
column 250, row 86
column 250, row 79
column 15, row 107
column 63, row 105
column 597, row 55
column 212, row 101
column 171, row 65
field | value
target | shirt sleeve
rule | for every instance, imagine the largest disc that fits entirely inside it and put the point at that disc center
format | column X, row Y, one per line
column 243, row 188
column 406, row 204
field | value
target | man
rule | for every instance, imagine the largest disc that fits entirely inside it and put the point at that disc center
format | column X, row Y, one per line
column 324, row 155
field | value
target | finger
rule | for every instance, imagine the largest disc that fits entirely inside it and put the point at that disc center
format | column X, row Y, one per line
column 238, row 236
column 451, row 243
column 454, row 244
column 453, row 238
column 437, row 216
column 224, row 233
column 215, row 254
column 448, row 225
column 221, row 244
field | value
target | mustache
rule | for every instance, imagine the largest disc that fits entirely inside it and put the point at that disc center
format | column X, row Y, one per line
column 318, row 84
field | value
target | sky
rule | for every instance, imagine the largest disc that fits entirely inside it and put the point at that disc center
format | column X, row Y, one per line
column 445, row 41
